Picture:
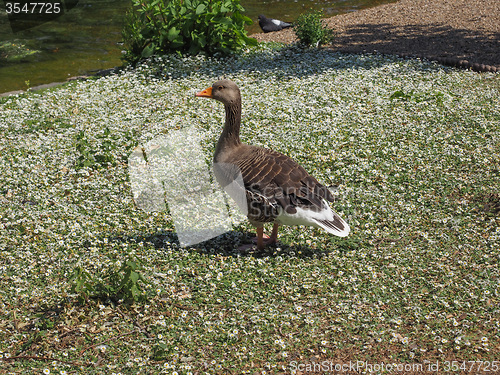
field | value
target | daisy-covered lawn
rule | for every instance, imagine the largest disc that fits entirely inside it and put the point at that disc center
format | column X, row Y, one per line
column 411, row 148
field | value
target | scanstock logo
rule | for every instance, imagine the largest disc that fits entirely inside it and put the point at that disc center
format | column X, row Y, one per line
column 26, row 14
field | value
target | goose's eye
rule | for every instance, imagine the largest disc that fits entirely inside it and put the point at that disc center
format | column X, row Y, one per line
column 221, row 87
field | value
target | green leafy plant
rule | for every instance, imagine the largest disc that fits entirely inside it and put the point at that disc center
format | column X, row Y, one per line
column 98, row 155
column 310, row 30
column 124, row 284
column 417, row 97
column 81, row 283
column 185, row 26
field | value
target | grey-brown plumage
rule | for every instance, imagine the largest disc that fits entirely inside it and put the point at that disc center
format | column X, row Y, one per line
column 277, row 189
column 273, row 176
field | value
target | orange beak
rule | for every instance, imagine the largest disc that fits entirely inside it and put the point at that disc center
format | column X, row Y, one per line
column 207, row 93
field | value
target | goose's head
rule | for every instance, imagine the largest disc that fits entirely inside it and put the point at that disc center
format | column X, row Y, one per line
column 224, row 91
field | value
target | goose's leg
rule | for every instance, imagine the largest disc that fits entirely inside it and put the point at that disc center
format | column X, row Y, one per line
column 265, row 239
column 260, row 238
column 274, row 234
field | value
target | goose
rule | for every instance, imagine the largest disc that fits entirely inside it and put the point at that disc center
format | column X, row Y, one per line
column 276, row 188
column 270, row 24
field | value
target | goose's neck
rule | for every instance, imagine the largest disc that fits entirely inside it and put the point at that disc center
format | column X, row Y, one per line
column 230, row 136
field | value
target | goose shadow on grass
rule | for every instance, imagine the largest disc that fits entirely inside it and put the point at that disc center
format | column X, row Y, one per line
column 227, row 244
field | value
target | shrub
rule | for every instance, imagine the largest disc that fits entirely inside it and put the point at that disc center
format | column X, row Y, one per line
column 310, row 30
column 186, row 26
column 124, row 284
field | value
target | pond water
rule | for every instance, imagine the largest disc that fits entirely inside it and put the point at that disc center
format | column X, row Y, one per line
column 86, row 38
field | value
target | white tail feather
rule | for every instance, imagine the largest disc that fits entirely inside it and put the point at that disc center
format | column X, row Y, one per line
column 326, row 218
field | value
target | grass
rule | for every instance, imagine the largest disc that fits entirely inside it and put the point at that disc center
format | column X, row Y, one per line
column 411, row 146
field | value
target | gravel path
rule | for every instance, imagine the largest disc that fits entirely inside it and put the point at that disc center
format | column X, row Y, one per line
column 464, row 33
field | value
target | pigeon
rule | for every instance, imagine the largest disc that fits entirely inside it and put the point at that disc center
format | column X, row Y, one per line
column 270, row 24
